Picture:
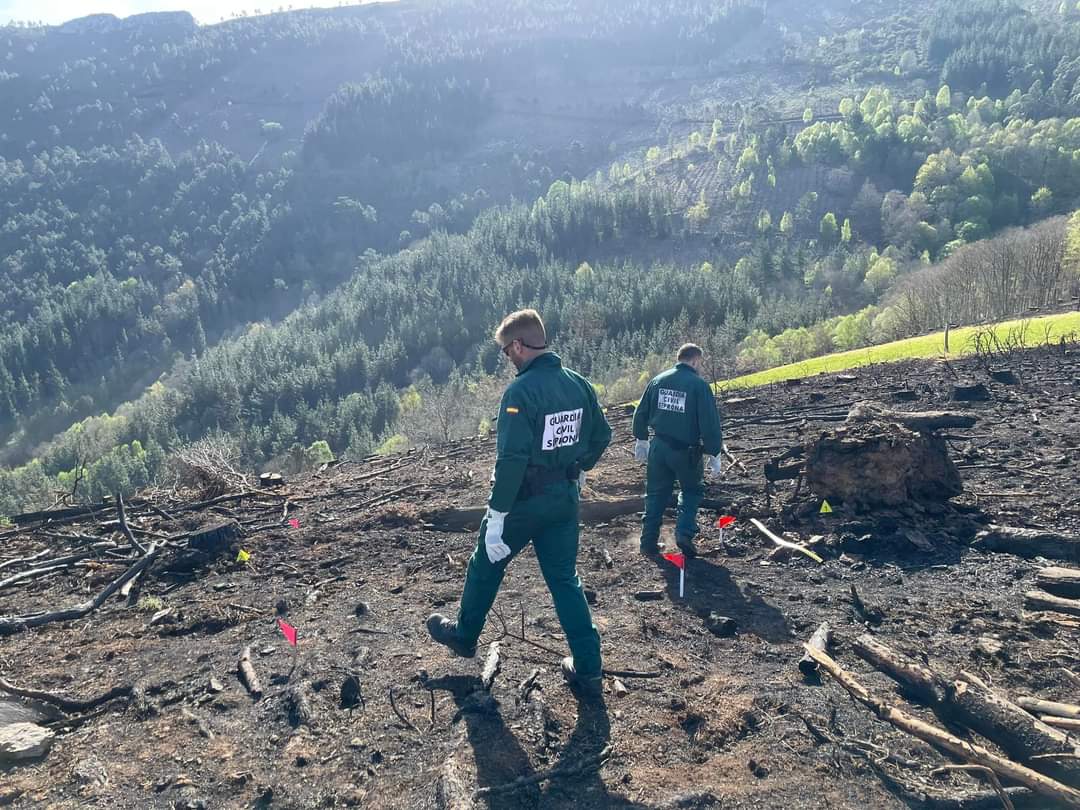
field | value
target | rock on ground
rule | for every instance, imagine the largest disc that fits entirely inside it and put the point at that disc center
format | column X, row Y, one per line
column 24, row 741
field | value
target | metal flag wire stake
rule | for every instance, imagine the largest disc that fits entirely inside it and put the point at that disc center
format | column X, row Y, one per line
column 293, row 637
column 678, row 559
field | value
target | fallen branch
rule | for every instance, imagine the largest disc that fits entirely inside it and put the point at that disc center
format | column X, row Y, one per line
column 631, row 673
column 126, row 591
column 1036, row 706
column 1060, row 581
column 819, row 641
column 1029, row 543
column 381, row 499
column 965, row 698
column 492, row 665
column 401, row 717
column 65, row 703
column 451, row 792
column 734, row 461
column 34, row 573
column 58, row 517
column 1044, row 601
column 20, row 560
column 1067, row 723
column 785, row 543
column 1050, row 617
column 971, row 753
column 12, row 624
column 923, row 683
column 135, row 544
column 920, row 422
column 592, row 763
column 247, row 674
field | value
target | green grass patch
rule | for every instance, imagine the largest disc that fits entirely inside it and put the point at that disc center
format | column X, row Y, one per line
column 149, row 604
column 1029, row 331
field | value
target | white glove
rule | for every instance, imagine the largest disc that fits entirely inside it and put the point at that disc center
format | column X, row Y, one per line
column 641, row 450
column 581, row 481
column 496, row 549
column 714, row 466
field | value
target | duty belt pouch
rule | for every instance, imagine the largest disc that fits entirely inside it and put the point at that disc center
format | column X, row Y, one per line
column 694, row 453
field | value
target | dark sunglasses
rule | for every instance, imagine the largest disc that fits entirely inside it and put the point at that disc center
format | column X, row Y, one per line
column 506, row 348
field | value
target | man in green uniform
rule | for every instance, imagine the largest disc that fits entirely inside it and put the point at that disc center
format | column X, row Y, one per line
column 680, row 408
column 550, row 431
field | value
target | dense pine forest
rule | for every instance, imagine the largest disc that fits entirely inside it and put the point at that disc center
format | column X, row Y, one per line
column 289, row 236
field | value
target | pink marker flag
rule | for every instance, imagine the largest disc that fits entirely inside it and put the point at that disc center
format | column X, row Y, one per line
column 678, row 559
column 294, row 522
column 288, row 631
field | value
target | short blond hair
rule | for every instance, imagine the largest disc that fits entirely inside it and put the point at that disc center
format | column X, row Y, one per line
column 524, row 325
column 689, row 351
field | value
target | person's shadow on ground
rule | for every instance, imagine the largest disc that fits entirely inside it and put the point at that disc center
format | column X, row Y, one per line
column 591, row 735
column 500, row 759
column 710, row 589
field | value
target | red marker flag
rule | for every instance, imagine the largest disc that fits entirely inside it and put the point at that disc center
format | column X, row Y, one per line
column 678, row 559
column 294, row 522
column 723, row 522
column 288, row 631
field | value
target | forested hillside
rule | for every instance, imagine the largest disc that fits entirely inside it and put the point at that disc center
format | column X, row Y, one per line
column 294, row 232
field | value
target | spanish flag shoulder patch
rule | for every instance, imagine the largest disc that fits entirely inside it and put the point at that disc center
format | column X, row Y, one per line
column 512, row 409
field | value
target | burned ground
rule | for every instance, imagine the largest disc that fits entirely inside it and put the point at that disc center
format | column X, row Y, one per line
column 370, row 713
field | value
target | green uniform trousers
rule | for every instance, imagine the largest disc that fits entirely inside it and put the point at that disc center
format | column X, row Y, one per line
column 550, row 522
column 667, row 465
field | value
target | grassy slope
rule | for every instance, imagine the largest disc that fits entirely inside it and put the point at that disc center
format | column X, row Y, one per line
column 1033, row 331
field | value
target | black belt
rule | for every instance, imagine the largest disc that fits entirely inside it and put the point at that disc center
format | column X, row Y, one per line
column 694, row 450
column 675, row 444
column 538, row 478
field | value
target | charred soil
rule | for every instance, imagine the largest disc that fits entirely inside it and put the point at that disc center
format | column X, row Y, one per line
column 366, row 711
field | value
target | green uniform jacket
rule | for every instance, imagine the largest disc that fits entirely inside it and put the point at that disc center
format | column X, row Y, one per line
column 679, row 405
column 549, row 417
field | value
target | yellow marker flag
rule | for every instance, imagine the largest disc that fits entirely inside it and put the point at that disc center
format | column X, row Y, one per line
column 825, row 508
column 243, row 556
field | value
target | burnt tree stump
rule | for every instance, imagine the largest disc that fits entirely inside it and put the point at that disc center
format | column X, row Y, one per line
column 873, row 464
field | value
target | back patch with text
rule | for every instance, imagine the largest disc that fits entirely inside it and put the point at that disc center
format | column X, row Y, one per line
column 561, row 429
column 671, row 400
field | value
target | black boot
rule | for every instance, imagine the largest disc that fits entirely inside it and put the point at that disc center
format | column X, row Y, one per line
column 445, row 631
column 587, row 687
column 686, row 546
column 650, row 548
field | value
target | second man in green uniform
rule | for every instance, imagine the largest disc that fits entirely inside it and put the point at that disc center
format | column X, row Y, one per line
column 679, row 406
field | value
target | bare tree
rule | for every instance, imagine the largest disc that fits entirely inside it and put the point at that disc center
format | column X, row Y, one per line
column 995, row 279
